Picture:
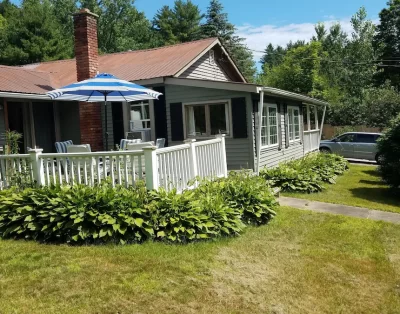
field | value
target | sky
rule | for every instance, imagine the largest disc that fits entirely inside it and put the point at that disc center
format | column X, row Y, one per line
column 279, row 21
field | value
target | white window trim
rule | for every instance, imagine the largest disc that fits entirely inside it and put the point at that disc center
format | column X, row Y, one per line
column 142, row 105
column 294, row 140
column 228, row 115
column 268, row 105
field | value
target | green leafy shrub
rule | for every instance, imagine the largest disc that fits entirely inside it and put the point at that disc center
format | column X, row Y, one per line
column 245, row 193
column 306, row 175
column 103, row 214
column 389, row 152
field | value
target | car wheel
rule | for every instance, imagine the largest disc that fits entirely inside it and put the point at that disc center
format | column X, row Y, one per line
column 379, row 159
column 325, row 150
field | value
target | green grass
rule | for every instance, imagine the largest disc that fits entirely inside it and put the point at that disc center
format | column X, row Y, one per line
column 360, row 186
column 301, row 262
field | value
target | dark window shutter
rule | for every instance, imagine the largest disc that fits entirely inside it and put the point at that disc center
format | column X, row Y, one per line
column 239, row 119
column 279, row 127
column 176, row 121
column 160, row 115
column 286, row 125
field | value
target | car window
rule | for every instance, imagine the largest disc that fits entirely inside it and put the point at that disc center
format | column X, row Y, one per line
column 366, row 138
column 347, row 138
column 377, row 137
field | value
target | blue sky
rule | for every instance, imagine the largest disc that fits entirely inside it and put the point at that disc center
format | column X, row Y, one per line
column 279, row 21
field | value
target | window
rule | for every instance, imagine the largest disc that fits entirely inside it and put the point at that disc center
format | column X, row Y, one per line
column 294, row 123
column 347, row 138
column 212, row 57
column 206, row 120
column 366, row 138
column 140, row 115
column 269, row 127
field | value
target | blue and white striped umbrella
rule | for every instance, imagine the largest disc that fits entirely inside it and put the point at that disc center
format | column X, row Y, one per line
column 95, row 90
column 103, row 87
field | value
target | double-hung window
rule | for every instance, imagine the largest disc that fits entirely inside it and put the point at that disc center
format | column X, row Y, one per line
column 207, row 119
column 294, row 123
column 269, row 127
column 140, row 115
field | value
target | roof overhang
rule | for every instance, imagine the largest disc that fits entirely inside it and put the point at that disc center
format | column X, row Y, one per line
column 24, row 96
column 244, row 87
column 298, row 97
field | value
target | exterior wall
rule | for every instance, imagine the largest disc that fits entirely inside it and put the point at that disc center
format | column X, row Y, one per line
column 239, row 150
column 206, row 70
column 68, row 117
column 272, row 156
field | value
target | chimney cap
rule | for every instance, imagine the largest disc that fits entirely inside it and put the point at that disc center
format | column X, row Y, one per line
column 84, row 11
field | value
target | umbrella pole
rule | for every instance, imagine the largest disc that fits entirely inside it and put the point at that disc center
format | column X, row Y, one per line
column 106, row 127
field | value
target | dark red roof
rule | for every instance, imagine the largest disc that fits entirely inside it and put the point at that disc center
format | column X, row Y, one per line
column 131, row 66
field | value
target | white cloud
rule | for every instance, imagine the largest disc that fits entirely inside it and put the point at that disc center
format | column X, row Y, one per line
column 258, row 37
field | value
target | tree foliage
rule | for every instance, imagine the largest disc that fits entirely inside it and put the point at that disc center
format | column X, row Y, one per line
column 340, row 68
column 179, row 24
column 218, row 25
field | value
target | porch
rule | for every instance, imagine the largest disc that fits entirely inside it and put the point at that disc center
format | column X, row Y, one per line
column 168, row 168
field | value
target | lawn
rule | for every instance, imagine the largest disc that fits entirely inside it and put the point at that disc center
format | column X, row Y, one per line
column 360, row 186
column 301, row 262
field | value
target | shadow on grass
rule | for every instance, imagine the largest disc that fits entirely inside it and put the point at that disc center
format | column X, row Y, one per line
column 372, row 182
column 372, row 172
column 378, row 195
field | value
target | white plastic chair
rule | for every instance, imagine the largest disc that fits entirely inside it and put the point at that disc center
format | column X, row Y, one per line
column 138, row 146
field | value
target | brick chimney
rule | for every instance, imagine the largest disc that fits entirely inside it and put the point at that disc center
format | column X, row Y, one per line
column 87, row 64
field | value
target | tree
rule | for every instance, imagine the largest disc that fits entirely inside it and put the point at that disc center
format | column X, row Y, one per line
column 32, row 34
column 180, row 24
column 121, row 26
column 387, row 43
column 218, row 25
column 272, row 57
column 300, row 71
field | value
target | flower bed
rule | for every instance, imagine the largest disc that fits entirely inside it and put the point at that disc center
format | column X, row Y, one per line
column 306, row 175
column 82, row 214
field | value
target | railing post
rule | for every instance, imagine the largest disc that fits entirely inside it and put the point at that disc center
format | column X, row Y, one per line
column 37, row 166
column 192, row 157
column 224, row 165
column 151, row 167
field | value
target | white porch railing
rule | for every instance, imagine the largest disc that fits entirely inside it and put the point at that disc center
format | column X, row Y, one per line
column 311, row 140
column 167, row 167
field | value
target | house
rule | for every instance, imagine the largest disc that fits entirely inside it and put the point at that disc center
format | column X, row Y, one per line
column 204, row 94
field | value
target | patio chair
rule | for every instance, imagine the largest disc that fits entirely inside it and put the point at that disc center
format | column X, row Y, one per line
column 61, row 147
column 139, row 146
column 160, row 143
column 124, row 142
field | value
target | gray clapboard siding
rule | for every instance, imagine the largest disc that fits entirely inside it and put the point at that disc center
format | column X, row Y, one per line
column 239, row 151
column 272, row 156
column 205, row 70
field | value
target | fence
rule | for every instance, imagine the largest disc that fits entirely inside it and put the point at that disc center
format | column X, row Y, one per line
column 331, row 131
column 171, row 167
column 311, row 140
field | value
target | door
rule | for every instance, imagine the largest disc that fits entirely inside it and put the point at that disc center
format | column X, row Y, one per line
column 345, row 145
column 365, row 146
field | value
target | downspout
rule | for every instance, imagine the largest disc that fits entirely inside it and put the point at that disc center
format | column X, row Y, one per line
column 260, row 112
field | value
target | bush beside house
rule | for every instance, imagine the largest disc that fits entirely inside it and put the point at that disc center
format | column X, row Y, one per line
column 389, row 152
column 306, row 175
column 83, row 214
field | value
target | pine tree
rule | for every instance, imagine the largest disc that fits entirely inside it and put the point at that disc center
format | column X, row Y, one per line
column 180, row 24
column 387, row 42
column 218, row 25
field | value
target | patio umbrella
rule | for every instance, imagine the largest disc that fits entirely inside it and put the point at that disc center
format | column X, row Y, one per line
column 103, row 87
